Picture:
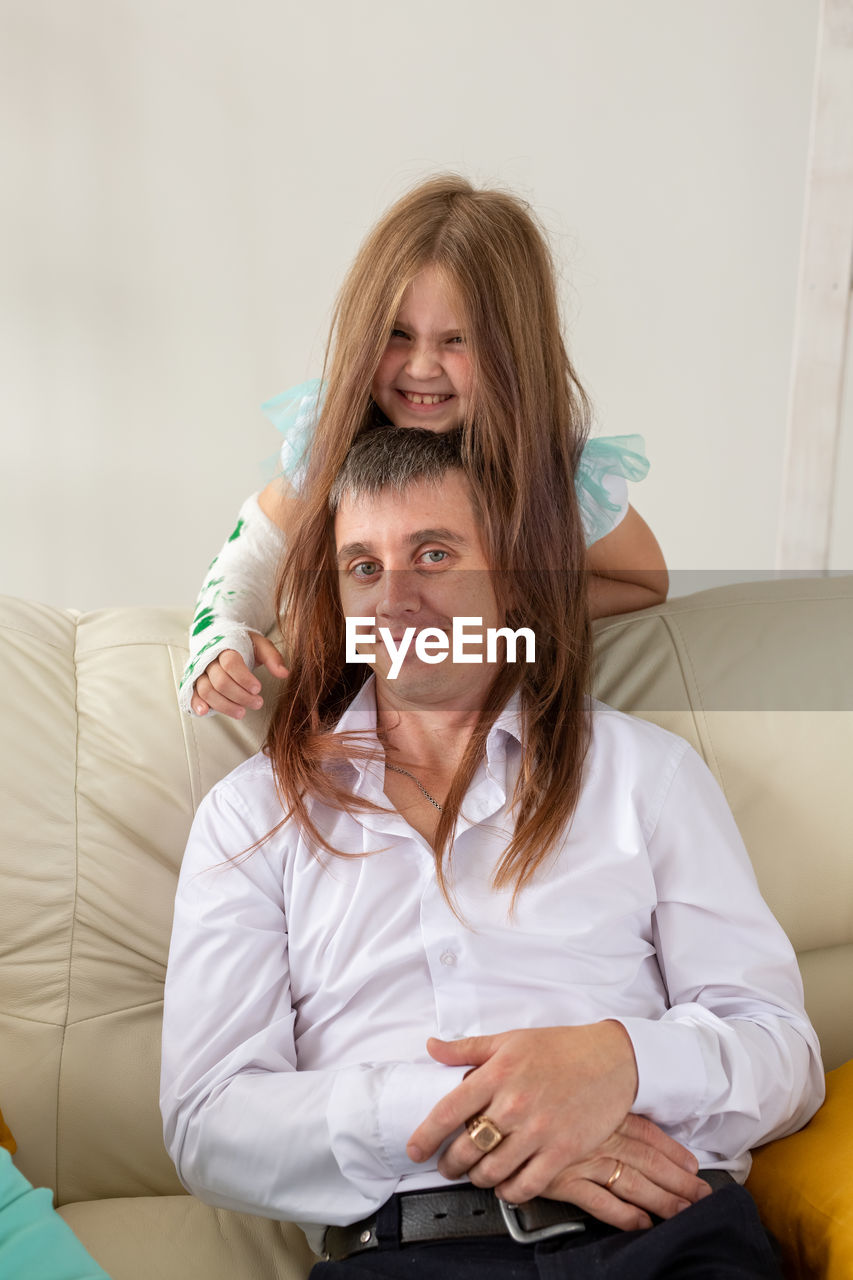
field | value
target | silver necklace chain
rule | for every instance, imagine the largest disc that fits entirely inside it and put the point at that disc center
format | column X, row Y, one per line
column 418, row 784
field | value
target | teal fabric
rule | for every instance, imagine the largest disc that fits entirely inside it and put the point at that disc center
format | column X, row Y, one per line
column 293, row 413
column 605, row 458
column 620, row 457
column 35, row 1244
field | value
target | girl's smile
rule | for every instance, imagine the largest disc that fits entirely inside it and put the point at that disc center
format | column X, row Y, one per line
column 424, row 376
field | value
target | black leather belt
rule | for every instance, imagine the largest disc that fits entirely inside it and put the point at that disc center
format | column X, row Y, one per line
column 466, row 1212
column 457, row 1213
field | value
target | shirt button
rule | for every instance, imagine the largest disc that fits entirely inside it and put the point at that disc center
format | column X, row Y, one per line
column 448, row 959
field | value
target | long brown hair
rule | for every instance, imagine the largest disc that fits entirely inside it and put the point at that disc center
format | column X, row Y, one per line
column 526, row 425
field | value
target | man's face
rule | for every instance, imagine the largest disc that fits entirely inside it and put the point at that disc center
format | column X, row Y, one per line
column 415, row 560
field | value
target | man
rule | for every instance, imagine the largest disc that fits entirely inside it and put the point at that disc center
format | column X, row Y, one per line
column 436, row 965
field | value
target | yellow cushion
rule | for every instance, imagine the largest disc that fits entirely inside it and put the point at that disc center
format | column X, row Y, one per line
column 6, row 1139
column 803, row 1186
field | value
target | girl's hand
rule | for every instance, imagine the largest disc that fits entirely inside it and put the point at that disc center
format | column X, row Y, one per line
column 229, row 687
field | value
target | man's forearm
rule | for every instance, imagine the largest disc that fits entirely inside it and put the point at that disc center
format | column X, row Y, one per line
column 721, row 1085
column 297, row 1145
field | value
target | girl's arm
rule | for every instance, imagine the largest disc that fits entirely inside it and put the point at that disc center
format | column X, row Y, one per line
column 626, row 568
column 235, row 609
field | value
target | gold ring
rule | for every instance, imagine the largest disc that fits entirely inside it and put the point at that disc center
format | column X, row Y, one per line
column 615, row 1175
column 484, row 1133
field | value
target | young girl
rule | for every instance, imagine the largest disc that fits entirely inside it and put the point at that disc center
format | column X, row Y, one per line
column 447, row 318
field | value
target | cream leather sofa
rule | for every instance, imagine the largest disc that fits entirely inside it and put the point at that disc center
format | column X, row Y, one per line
column 99, row 777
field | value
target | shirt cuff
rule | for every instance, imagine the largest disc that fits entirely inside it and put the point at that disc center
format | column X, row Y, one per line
column 410, row 1093
column 670, row 1066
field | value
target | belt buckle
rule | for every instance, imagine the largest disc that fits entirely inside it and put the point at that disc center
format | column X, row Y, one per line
column 521, row 1235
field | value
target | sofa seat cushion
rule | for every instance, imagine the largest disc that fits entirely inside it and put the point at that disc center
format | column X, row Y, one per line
column 172, row 1237
column 803, row 1186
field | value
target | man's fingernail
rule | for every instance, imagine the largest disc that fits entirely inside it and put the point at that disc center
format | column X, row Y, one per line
column 704, row 1191
column 644, row 1223
column 414, row 1152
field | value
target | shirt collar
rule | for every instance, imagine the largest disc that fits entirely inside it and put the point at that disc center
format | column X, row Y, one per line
column 360, row 717
column 510, row 720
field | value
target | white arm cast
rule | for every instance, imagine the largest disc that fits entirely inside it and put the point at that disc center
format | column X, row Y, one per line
column 236, row 597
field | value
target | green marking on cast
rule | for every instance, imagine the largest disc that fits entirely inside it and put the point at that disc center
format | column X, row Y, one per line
column 203, row 620
column 190, row 668
column 204, row 648
column 237, row 531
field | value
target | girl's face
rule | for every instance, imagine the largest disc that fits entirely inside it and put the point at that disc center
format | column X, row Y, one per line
column 424, row 376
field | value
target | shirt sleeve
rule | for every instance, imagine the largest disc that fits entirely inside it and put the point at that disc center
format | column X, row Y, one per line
column 246, row 1129
column 734, row 1061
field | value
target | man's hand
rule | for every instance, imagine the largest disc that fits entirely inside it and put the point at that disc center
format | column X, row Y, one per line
column 228, row 686
column 655, row 1175
column 556, row 1093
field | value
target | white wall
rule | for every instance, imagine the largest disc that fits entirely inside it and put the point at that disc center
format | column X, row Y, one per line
column 841, row 531
column 185, row 182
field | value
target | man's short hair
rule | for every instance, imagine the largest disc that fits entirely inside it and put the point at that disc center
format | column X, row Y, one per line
column 394, row 458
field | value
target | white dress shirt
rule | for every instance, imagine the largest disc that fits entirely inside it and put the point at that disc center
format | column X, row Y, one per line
column 301, row 990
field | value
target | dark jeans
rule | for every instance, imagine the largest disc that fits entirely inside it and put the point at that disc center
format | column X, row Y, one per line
column 719, row 1238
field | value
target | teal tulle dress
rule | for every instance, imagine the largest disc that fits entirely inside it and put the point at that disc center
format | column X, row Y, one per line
column 35, row 1243
column 607, row 462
